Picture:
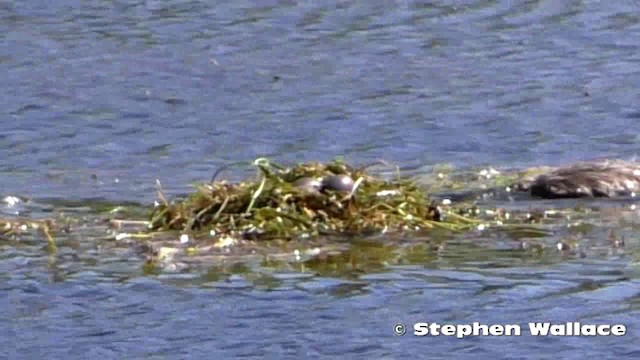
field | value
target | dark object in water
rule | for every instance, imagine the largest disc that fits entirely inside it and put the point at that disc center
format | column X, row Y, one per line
column 434, row 211
column 338, row 183
column 308, row 184
column 609, row 178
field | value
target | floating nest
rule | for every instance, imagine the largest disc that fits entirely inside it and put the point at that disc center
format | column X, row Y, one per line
column 305, row 200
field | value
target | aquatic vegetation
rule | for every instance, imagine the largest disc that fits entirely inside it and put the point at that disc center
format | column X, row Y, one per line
column 326, row 209
column 12, row 228
column 308, row 199
column 444, row 179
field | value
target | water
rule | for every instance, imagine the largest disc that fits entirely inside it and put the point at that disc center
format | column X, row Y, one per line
column 102, row 98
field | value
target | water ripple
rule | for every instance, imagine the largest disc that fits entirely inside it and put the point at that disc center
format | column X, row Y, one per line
column 101, row 99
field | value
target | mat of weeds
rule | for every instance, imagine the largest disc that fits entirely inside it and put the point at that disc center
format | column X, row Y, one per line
column 271, row 205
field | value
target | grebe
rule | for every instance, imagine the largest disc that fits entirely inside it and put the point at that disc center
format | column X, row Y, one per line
column 602, row 178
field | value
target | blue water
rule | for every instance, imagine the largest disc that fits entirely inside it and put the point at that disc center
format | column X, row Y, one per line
column 134, row 91
column 100, row 99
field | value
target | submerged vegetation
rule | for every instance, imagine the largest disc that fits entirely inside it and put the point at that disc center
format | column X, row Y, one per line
column 308, row 199
column 13, row 228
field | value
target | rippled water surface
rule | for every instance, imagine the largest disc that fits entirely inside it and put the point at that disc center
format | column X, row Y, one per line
column 99, row 99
